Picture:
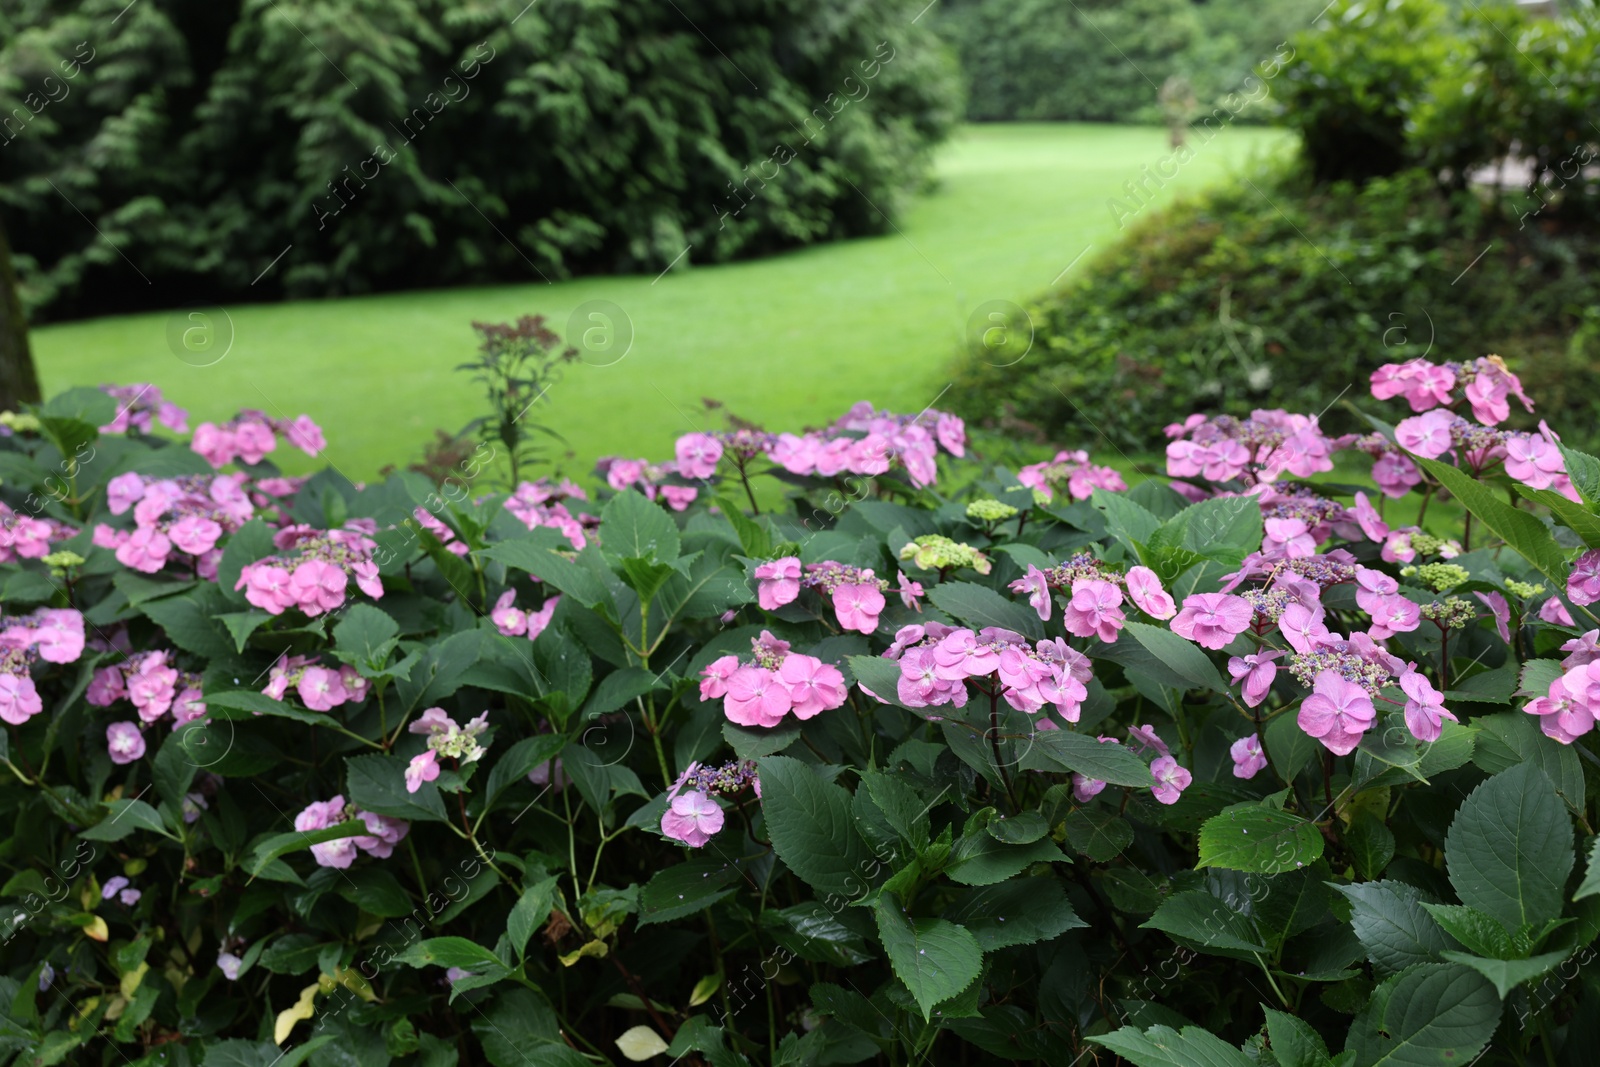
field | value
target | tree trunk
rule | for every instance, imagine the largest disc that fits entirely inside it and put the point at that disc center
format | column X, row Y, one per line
column 19, row 384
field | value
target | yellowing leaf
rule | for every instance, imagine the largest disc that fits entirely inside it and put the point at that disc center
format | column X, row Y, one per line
column 641, row 1043
column 131, row 980
column 358, row 985
column 704, row 988
column 97, row 930
column 303, row 1008
column 116, row 1008
column 597, row 949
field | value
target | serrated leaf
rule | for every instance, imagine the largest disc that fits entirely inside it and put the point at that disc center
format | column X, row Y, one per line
column 1514, row 737
column 1162, row 1046
column 126, row 817
column 1428, row 1014
column 934, row 958
column 378, row 784
column 1480, row 933
column 1507, row 974
column 1022, row 911
column 812, row 828
column 1100, row 835
column 1575, row 517
column 530, row 913
column 1072, row 751
column 1161, row 655
column 632, row 527
column 1258, row 840
column 979, row 859
column 1294, row 1042
column 686, row 889
column 1591, row 876
column 1524, row 533
column 1392, row 925
column 1510, row 848
column 1196, row 917
column 979, row 606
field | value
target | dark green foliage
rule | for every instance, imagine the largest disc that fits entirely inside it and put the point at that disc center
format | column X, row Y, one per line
column 416, row 142
column 1106, row 60
column 1283, row 295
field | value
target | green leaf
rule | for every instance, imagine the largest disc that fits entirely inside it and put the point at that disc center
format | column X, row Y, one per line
column 1510, row 848
column 1289, row 747
column 936, row 959
column 191, row 625
column 1162, row 1046
column 1370, row 843
column 378, row 784
column 1591, row 876
column 686, row 889
column 1196, row 917
column 1126, row 520
column 238, row 1052
column 246, row 704
column 1163, row 656
column 901, row 805
column 1023, row 828
column 632, row 527
column 882, row 677
column 1258, row 840
column 1513, row 737
column 814, row 932
column 241, row 624
column 1523, row 532
column 1022, row 911
column 1391, row 924
column 1575, row 517
column 1480, row 933
column 375, row 890
column 618, row 688
column 1507, row 974
column 282, row 844
column 520, row 1029
column 1584, row 470
column 441, row 670
column 126, row 817
column 1228, row 526
column 1394, row 757
column 450, row 952
column 753, row 537
column 978, row 859
column 1100, row 835
column 1428, row 1014
column 1294, row 1042
column 812, row 828
column 1072, row 751
column 366, row 633
column 536, row 555
column 754, row 742
column 979, row 606
column 248, row 543
column 519, row 761
column 530, row 913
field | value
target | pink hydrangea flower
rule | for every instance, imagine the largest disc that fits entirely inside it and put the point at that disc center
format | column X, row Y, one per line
column 1367, row 517
column 1085, row 789
column 1425, row 708
column 385, row 834
column 1338, row 713
column 698, row 454
column 145, row 550
column 1393, row 614
column 195, row 534
column 1533, row 461
column 1147, row 594
column 59, row 636
column 679, row 497
column 858, row 606
column 1566, row 712
column 266, row 587
column 422, row 768
column 1211, row 620
column 510, row 621
column 1554, row 611
column 1147, row 737
column 813, row 685
column 1583, row 584
column 123, row 492
column 187, row 706
column 1426, row 435
column 1500, row 611
column 778, row 582
column 1248, row 758
column 1037, row 586
column 152, row 689
column 321, row 689
column 320, row 815
column 714, row 677
column 318, row 586
column 1171, row 780
column 910, row 592
column 756, row 697
column 692, row 818
column 19, row 700
column 1288, row 539
column 1256, row 671
column 105, row 687
column 1302, row 627
column 124, row 742
column 539, row 621
column 1395, row 475
column 1094, row 610
column 305, row 435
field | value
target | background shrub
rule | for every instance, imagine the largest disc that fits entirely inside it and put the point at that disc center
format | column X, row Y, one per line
column 419, row 142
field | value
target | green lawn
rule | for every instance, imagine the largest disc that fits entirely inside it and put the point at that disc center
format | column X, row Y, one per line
column 790, row 340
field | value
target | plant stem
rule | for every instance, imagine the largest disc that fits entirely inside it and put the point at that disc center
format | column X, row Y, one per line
column 749, row 493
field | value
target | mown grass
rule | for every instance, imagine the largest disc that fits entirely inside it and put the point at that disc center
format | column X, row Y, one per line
column 788, row 340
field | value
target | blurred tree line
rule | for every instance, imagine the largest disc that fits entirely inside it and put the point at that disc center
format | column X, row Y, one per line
column 1106, row 60
column 168, row 152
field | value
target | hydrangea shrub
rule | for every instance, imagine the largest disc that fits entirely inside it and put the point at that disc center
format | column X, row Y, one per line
column 1283, row 758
